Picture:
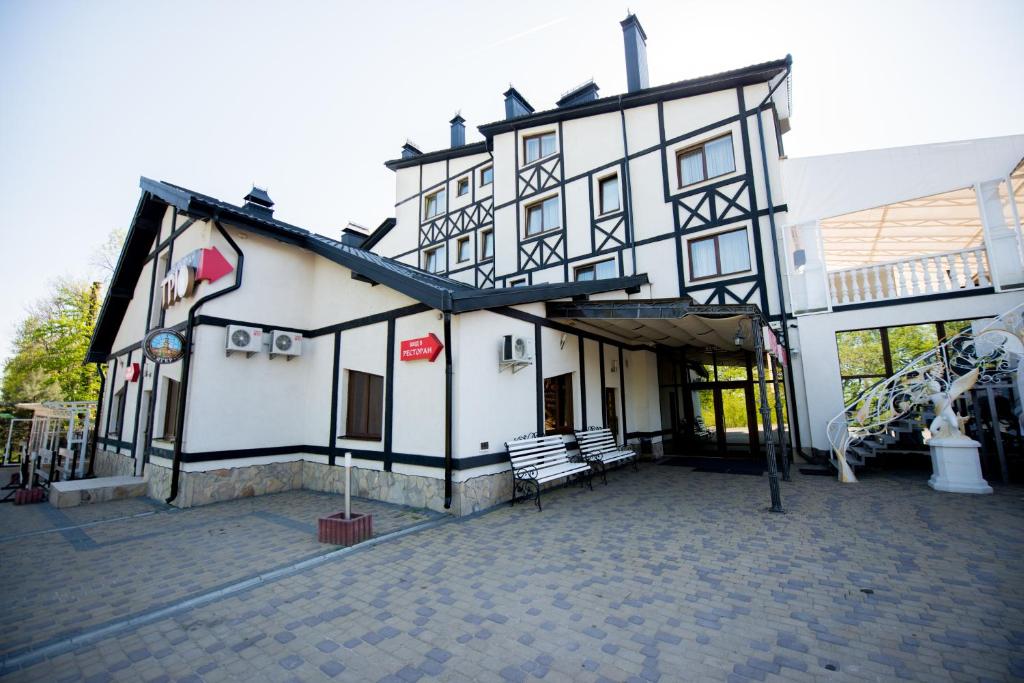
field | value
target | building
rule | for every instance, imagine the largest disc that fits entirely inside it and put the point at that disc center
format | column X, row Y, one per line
column 642, row 249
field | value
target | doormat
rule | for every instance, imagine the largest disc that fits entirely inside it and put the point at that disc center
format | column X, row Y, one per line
column 810, row 471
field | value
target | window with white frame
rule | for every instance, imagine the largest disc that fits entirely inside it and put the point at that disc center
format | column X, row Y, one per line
column 608, row 193
column 543, row 216
column 721, row 254
column 538, row 146
column 486, row 244
column 708, row 160
column 601, row 270
column 435, row 204
column 434, row 260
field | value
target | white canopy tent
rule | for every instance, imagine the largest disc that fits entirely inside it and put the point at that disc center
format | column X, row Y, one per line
column 835, row 184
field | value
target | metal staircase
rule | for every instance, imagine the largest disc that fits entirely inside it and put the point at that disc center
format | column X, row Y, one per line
column 871, row 423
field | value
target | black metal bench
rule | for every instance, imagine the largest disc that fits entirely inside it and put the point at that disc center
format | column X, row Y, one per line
column 597, row 445
column 537, row 460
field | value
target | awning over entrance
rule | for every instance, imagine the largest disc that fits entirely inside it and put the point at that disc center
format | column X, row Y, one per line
column 674, row 322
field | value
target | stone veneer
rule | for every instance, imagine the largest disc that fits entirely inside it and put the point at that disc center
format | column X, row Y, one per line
column 211, row 486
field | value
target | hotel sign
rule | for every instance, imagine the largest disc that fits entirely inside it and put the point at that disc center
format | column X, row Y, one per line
column 197, row 266
column 428, row 347
column 164, row 345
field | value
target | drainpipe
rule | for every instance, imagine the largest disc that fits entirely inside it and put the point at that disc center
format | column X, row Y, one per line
column 96, row 423
column 795, row 425
column 186, row 363
column 627, row 187
column 447, row 410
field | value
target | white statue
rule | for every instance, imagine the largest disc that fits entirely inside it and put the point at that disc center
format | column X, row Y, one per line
column 947, row 424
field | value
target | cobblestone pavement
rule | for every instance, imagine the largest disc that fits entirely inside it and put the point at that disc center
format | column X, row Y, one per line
column 73, row 569
column 665, row 574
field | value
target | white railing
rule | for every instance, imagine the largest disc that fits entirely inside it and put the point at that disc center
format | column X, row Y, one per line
column 950, row 272
column 994, row 349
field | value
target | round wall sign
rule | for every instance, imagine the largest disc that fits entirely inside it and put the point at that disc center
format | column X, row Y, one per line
column 164, row 346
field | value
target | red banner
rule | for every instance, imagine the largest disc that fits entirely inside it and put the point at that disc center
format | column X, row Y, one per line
column 428, row 347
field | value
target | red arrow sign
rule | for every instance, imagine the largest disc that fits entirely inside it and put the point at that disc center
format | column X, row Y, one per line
column 428, row 347
column 212, row 265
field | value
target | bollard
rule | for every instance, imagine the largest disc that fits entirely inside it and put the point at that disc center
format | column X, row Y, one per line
column 348, row 486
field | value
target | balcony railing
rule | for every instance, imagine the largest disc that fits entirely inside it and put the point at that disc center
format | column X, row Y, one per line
column 950, row 272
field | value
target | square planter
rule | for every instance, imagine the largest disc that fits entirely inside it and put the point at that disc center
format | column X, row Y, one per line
column 337, row 530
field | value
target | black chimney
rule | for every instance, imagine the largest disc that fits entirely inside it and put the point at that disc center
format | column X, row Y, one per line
column 516, row 105
column 578, row 95
column 458, row 130
column 409, row 150
column 636, row 53
column 259, row 202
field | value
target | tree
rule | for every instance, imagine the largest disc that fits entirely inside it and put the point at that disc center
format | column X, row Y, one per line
column 105, row 257
column 50, row 348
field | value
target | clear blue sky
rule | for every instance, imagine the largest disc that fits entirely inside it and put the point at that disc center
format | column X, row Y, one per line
column 310, row 98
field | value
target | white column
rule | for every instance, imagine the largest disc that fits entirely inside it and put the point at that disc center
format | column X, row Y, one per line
column 1004, row 259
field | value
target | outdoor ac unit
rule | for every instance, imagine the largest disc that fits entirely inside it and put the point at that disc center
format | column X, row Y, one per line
column 248, row 340
column 516, row 349
column 285, row 344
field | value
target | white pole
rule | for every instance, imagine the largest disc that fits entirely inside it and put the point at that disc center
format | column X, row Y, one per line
column 7, row 449
column 348, row 486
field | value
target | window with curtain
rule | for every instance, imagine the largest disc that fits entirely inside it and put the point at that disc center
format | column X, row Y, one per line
column 433, row 260
column 608, row 193
column 596, row 271
column 435, row 203
column 487, row 244
column 558, row 417
column 545, row 215
column 720, row 254
column 709, row 160
column 538, row 146
column 116, row 413
column 171, row 395
column 365, row 405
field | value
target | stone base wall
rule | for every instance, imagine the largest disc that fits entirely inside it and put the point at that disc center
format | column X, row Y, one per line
column 391, row 487
column 110, row 464
column 480, row 493
column 203, row 488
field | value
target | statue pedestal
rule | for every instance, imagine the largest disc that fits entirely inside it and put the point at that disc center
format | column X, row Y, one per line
column 956, row 467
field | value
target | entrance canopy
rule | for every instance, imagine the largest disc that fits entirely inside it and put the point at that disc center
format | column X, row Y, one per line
column 672, row 322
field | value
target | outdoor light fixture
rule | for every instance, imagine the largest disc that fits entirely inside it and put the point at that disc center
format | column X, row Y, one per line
column 739, row 338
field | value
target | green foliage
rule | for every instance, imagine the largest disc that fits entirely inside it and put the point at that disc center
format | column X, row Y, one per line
column 50, row 347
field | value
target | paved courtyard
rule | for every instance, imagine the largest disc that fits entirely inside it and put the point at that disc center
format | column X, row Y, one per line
column 666, row 574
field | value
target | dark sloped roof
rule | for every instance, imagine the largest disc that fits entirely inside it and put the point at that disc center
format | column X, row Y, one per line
column 438, row 155
column 438, row 292
column 748, row 75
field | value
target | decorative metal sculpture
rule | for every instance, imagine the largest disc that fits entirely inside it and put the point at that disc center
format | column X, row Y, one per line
column 989, row 355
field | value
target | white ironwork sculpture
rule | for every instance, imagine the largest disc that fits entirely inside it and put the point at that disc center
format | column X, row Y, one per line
column 988, row 352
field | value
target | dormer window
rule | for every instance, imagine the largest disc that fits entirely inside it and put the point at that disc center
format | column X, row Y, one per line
column 435, row 204
column 538, row 146
column 708, row 160
column 462, row 187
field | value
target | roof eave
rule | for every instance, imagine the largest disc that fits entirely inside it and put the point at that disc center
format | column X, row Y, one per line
column 476, row 300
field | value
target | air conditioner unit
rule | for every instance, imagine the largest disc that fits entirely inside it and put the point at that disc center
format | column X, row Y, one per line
column 516, row 351
column 286, row 344
column 248, row 340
